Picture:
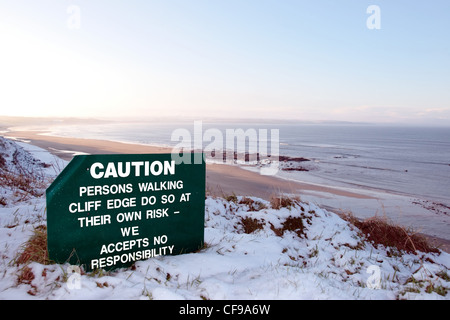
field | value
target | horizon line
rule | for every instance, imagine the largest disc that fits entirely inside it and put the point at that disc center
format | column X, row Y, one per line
column 116, row 119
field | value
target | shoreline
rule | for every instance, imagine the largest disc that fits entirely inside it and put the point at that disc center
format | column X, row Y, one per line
column 221, row 179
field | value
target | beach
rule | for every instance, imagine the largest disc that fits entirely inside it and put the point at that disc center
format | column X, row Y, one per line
column 224, row 179
column 221, row 179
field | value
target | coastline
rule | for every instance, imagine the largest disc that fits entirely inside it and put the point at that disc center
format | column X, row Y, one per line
column 221, row 179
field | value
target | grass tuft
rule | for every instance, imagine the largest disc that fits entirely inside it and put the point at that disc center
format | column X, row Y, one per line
column 278, row 202
column 35, row 249
column 252, row 204
column 231, row 198
column 294, row 224
column 382, row 232
column 251, row 225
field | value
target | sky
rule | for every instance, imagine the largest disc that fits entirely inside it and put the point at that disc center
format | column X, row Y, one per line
column 267, row 59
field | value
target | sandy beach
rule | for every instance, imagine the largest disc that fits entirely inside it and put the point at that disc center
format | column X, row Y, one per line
column 221, row 179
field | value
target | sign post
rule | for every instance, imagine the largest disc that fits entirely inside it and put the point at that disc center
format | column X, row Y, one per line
column 108, row 211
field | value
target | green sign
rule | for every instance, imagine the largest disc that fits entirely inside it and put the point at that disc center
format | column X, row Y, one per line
column 108, row 211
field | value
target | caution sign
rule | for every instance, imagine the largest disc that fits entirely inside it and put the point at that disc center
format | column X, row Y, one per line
column 109, row 211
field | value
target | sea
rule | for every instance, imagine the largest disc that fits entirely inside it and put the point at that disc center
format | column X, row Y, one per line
column 407, row 160
column 405, row 169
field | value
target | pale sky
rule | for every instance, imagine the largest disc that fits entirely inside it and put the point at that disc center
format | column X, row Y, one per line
column 277, row 59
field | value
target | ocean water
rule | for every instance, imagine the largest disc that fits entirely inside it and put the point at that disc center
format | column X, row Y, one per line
column 413, row 161
column 405, row 160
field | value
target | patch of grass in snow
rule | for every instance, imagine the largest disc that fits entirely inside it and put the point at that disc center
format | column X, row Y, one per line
column 440, row 290
column 26, row 276
column 380, row 231
column 278, row 202
column 416, row 286
column 23, row 185
column 2, row 161
column 443, row 275
column 35, row 249
column 231, row 198
column 20, row 173
column 294, row 224
column 252, row 204
column 251, row 225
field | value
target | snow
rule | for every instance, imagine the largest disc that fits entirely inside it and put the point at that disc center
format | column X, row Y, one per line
column 326, row 259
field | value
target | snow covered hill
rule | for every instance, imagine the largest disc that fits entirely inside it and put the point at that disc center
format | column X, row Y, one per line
column 24, row 173
column 254, row 249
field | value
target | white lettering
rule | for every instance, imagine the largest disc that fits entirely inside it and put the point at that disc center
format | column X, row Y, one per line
column 130, row 256
column 94, row 174
column 123, row 170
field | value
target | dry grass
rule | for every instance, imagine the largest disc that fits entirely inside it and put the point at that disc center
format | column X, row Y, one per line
column 231, row 198
column 278, row 202
column 377, row 230
column 26, row 276
column 23, row 179
column 35, row 249
column 25, row 183
column 252, row 204
column 382, row 232
column 294, row 224
column 291, row 223
column 2, row 162
column 251, row 225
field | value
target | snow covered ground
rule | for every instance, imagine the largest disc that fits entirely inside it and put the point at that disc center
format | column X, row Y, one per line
column 252, row 251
